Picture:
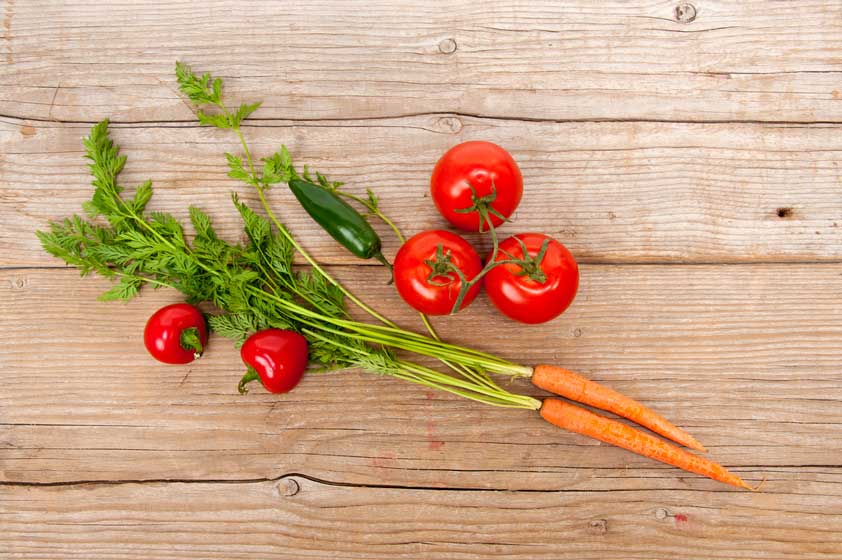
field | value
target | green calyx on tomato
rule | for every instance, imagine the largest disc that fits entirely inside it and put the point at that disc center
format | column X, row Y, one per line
column 471, row 172
column 432, row 269
column 441, row 266
column 536, row 278
column 483, row 206
column 529, row 266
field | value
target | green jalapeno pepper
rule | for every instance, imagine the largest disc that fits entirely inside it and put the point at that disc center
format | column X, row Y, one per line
column 339, row 219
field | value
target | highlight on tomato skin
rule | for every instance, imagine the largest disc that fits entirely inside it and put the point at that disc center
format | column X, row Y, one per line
column 417, row 281
column 539, row 292
column 176, row 334
column 476, row 174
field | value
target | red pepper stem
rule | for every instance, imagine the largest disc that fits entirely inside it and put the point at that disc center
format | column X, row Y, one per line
column 249, row 376
column 190, row 340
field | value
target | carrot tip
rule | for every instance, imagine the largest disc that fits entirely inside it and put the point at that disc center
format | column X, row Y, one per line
column 692, row 443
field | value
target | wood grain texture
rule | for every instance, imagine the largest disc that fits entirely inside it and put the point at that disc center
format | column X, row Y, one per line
column 690, row 163
column 748, row 368
column 612, row 192
column 323, row 521
column 735, row 61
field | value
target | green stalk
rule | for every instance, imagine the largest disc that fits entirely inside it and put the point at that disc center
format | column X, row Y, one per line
column 527, row 402
column 416, row 373
column 405, row 340
column 478, row 376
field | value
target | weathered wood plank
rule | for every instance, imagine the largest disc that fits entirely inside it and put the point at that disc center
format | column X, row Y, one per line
column 318, row 520
column 749, row 60
column 613, row 192
column 746, row 357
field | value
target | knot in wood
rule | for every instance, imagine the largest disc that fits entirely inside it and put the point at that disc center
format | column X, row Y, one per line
column 662, row 513
column 288, row 487
column 598, row 527
column 447, row 46
column 685, row 12
column 449, row 124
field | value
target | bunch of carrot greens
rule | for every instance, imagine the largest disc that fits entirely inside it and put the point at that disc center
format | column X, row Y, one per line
column 255, row 287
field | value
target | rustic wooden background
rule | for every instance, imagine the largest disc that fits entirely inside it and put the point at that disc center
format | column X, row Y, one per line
column 689, row 156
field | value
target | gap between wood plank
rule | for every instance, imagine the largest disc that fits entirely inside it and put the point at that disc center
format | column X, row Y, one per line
column 253, row 121
column 106, row 482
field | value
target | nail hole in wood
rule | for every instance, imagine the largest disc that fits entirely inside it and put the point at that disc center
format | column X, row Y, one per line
column 685, row 12
column 784, row 212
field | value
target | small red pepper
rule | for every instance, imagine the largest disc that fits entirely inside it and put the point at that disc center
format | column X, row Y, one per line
column 176, row 334
column 278, row 358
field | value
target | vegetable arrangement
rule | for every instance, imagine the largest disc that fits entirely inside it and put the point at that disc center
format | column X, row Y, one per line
column 284, row 319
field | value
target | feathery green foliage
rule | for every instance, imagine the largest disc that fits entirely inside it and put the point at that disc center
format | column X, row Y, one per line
column 138, row 248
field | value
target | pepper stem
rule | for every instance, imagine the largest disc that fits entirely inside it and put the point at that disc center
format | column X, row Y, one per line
column 190, row 340
column 249, row 376
column 379, row 257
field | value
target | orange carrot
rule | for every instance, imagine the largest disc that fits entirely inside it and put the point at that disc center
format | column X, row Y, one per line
column 577, row 419
column 577, row 388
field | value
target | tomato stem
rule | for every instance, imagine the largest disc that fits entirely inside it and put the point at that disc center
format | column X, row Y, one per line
column 529, row 266
column 190, row 340
column 483, row 205
column 442, row 265
column 249, row 376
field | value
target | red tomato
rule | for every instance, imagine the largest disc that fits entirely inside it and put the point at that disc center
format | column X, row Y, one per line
column 518, row 292
column 476, row 164
column 416, row 281
column 176, row 334
column 277, row 357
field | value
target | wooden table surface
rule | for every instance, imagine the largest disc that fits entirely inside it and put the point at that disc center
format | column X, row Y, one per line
column 688, row 155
